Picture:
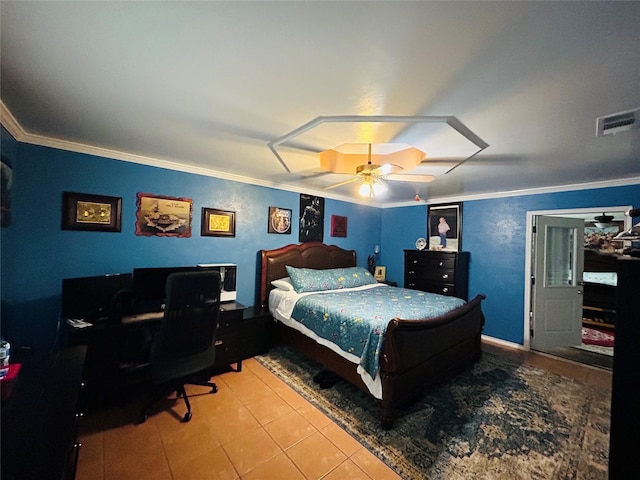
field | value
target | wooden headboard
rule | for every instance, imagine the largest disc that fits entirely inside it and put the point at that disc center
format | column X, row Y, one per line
column 305, row 255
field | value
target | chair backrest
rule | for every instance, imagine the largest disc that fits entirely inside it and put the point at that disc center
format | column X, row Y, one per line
column 190, row 315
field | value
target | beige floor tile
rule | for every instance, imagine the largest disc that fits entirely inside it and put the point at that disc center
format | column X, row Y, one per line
column 269, row 408
column 314, row 416
column 373, row 466
column 233, row 423
column 211, row 465
column 289, row 429
column 279, row 467
column 347, row 470
column 341, row 439
column 315, row 456
column 251, row 450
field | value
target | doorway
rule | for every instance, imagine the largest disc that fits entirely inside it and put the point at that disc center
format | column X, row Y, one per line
column 555, row 285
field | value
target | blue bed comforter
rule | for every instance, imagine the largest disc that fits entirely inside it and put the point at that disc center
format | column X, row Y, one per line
column 356, row 320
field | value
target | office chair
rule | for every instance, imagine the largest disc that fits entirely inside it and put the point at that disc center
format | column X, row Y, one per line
column 182, row 351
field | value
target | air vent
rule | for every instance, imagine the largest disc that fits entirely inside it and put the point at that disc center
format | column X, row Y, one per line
column 617, row 122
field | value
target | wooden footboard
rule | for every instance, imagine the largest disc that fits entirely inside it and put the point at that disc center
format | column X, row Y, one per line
column 415, row 353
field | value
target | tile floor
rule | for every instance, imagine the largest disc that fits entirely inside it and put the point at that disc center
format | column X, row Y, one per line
column 255, row 427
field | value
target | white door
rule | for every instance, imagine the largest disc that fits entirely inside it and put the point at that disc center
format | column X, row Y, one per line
column 558, row 259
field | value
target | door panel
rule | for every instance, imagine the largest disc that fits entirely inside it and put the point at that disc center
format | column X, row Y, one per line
column 556, row 291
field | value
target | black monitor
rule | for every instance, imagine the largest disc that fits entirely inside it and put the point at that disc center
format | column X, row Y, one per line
column 149, row 287
column 91, row 298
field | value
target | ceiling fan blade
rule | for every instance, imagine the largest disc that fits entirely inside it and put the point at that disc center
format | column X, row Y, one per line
column 411, row 178
column 351, row 180
column 386, row 169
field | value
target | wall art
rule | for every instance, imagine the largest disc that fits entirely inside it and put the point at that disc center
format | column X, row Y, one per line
column 160, row 215
column 84, row 211
column 218, row 223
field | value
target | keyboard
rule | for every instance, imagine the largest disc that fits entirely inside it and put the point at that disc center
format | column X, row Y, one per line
column 143, row 317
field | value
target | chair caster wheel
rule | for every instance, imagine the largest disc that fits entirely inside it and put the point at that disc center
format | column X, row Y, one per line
column 142, row 419
column 214, row 389
column 187, row 417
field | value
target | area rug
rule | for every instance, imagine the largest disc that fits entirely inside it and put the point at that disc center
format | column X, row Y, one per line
column 495, row 420
column 596, row 336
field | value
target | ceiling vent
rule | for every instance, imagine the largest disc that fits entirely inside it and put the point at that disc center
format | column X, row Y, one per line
column 617, row 122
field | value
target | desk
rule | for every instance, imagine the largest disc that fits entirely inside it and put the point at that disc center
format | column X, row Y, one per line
column 110, row 345
column 39, row 420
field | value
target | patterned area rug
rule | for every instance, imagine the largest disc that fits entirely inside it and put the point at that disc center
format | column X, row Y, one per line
column 495, row 420
column 596, row 336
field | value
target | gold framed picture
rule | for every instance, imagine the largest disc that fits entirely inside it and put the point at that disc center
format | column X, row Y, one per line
column 380, row 273
column 83, row 211
column 218, row 223
column 163, row 216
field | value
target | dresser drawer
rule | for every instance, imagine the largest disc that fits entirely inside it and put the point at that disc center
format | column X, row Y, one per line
column 435, row 274
column 437, row 260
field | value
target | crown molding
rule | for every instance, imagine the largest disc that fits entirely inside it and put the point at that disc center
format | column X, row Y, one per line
column 12, row 125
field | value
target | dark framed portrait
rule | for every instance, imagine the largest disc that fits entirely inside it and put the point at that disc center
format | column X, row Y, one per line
column 84, row 211
column 311, row 218
column 445, row 227
column 279, row 220
column 338, row 226
column 218, row 223
column 163, row 216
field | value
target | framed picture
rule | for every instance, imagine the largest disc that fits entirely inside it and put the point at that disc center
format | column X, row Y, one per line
column 338, row 226
column 445, row 227
column 218, row 223
column 279, row 220
column 380, row 273
column 163, row 216
column 311, row 218
column 83, row 211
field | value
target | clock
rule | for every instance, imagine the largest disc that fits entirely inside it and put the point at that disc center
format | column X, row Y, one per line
column 421, row 243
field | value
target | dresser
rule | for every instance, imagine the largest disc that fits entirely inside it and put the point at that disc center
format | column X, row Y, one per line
column 446, row 273
column 625, row 394
column 40, row 418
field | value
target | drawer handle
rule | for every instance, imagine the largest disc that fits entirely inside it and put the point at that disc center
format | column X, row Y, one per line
column 218, row 343
column 415, row 261
column 445, row 275
column 445, row 289
column 412, row 285
column 440, row 264
column 411, row 272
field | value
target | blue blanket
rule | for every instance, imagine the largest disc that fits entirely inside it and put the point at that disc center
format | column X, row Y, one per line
column 356, row 320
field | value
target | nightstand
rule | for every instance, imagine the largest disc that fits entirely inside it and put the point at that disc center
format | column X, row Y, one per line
column 257, row 332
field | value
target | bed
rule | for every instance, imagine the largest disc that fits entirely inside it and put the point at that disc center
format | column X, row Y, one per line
column 413, row 353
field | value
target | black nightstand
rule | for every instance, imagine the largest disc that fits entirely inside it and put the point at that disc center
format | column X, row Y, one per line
column 257, row 332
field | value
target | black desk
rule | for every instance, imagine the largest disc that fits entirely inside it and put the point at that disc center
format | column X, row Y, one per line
column 39, row 420
column 117, row 352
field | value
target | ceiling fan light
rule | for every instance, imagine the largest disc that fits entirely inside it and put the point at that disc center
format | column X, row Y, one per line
column 365, row 190
column 379, row 188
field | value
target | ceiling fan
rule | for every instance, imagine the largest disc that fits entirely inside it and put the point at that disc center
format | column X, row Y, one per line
column 373, row 175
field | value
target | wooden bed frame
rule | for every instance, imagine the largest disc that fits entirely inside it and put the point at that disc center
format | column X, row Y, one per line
column 415, row 353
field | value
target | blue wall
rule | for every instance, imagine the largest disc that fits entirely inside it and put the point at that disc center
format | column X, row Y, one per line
column 37, row 254
column 494, row 233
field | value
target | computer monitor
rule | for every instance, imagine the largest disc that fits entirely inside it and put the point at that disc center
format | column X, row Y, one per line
column 149, row 287
column 91, row 298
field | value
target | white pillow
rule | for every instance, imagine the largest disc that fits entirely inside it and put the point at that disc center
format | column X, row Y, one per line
column 283, row 283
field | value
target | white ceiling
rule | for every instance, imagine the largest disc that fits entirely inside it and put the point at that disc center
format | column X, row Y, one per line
column 206, row 86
